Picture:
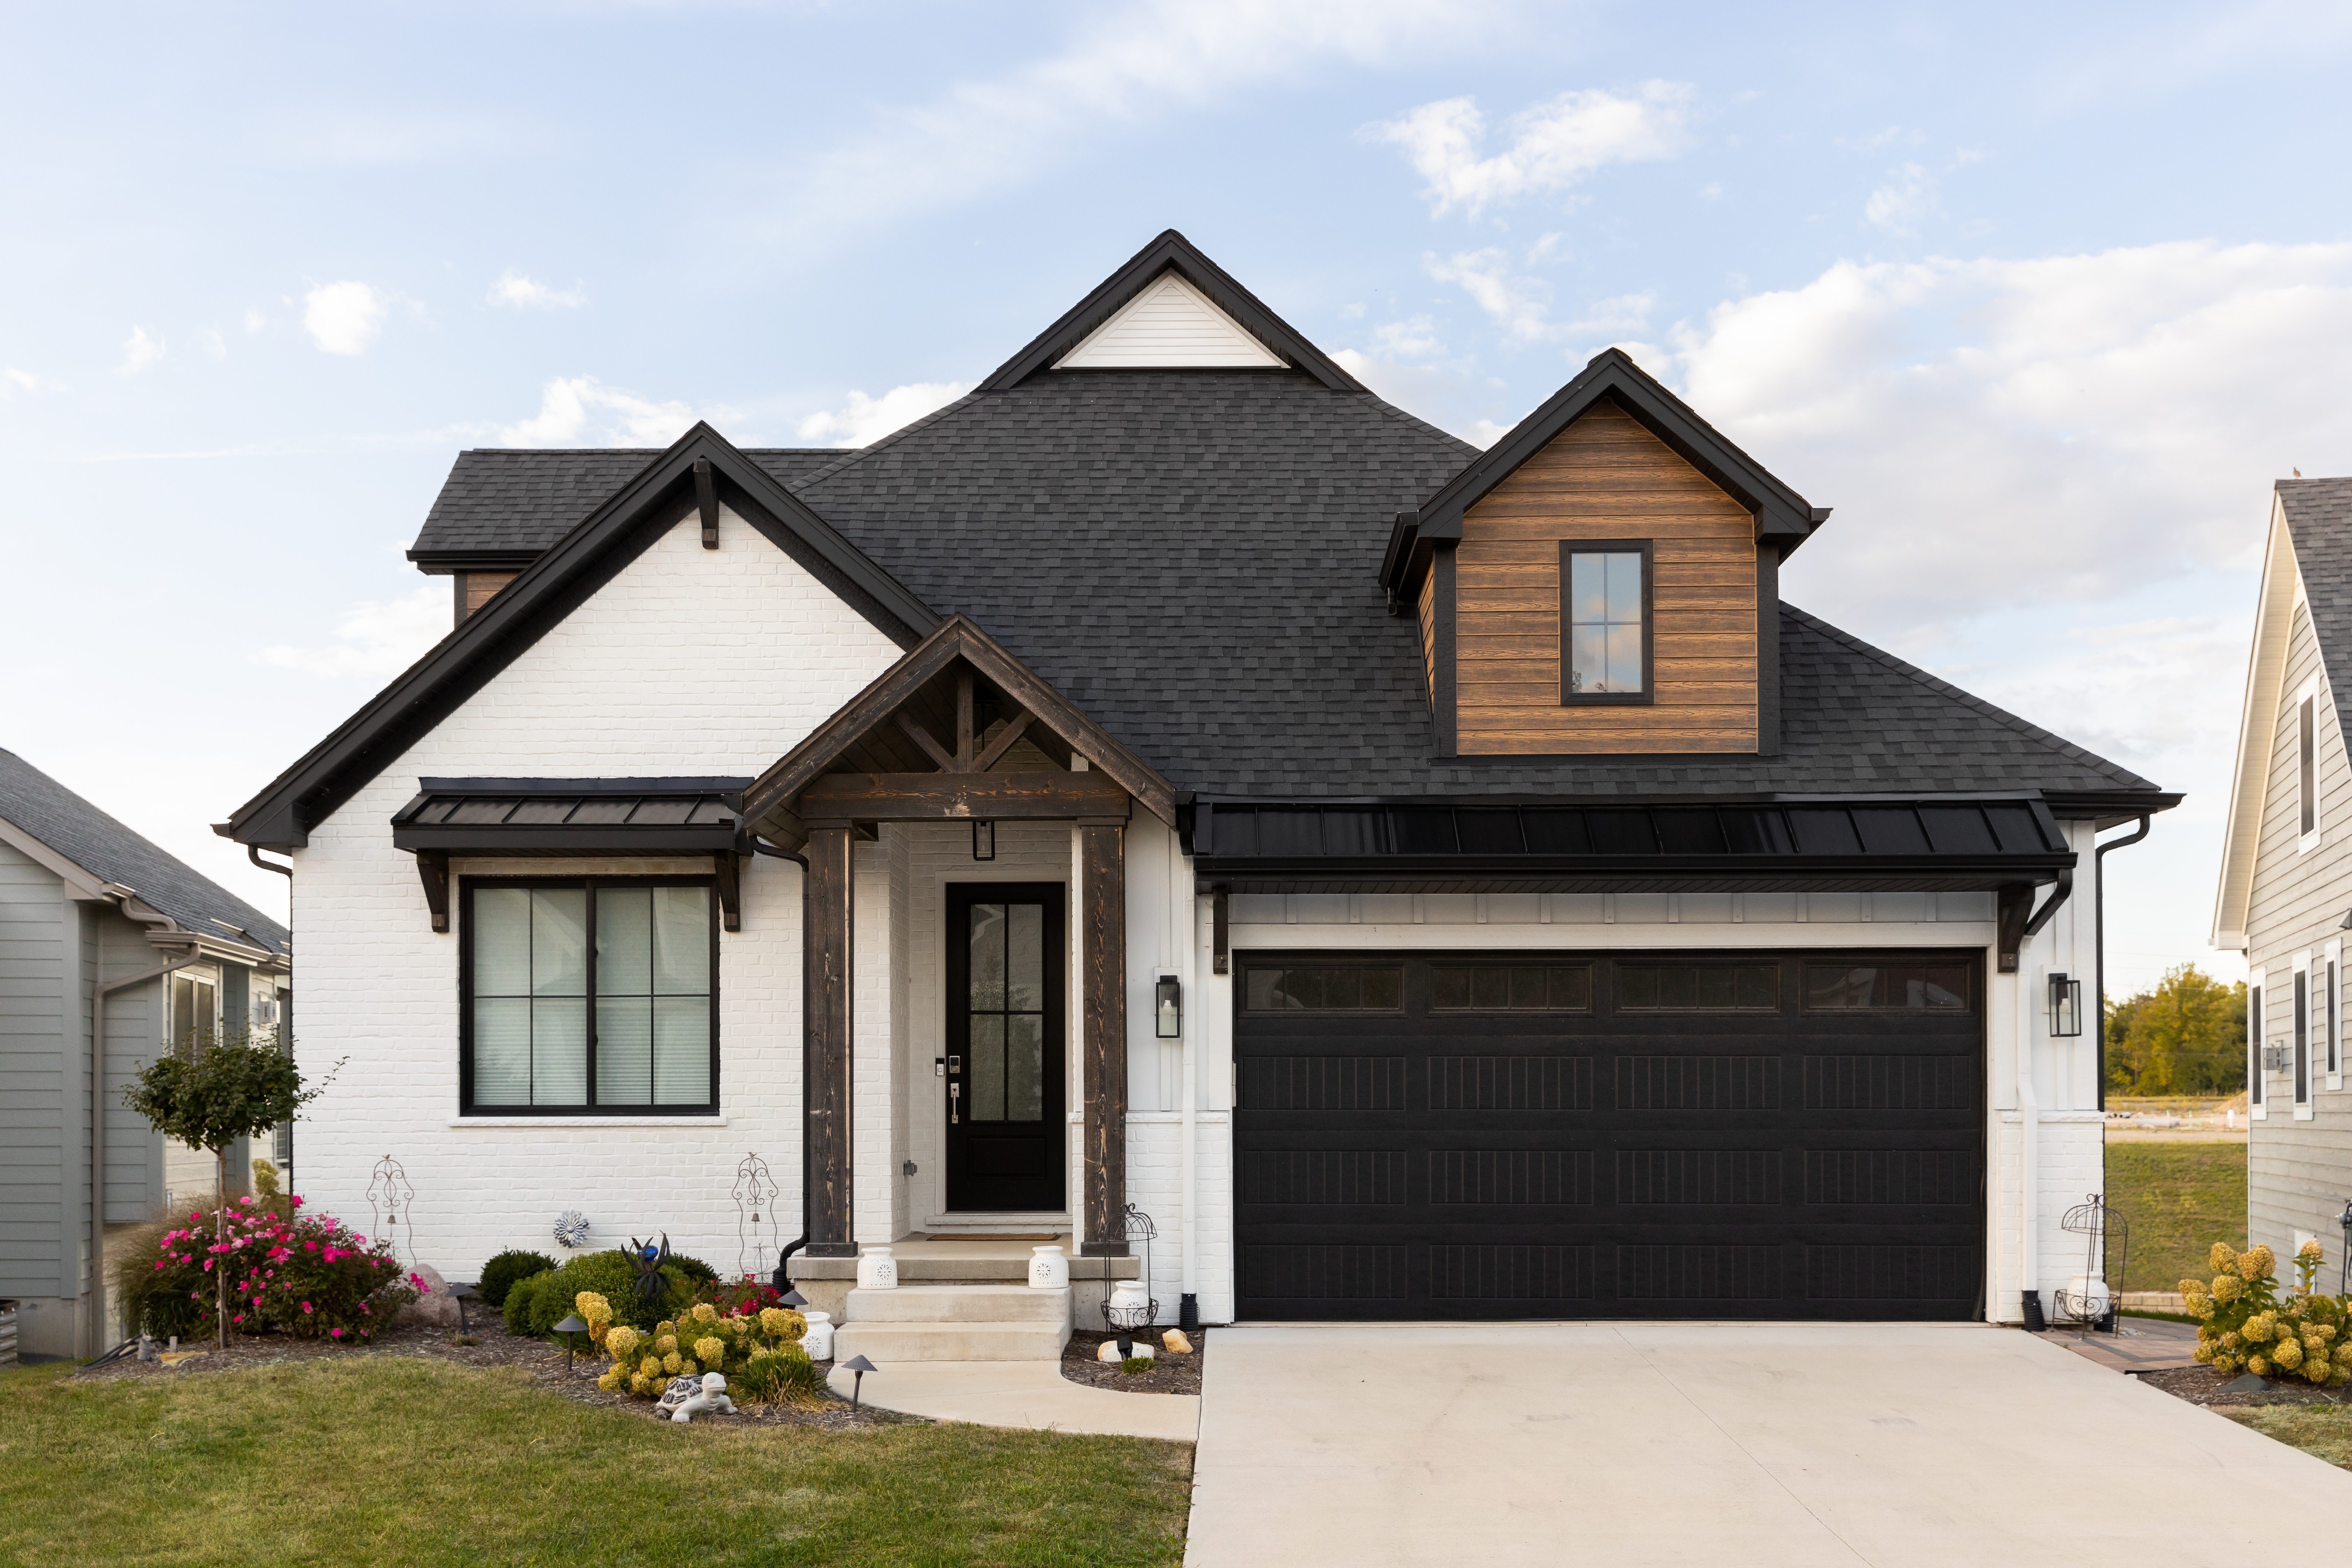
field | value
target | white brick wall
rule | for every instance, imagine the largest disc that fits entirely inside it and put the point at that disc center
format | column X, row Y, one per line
column 688, row 662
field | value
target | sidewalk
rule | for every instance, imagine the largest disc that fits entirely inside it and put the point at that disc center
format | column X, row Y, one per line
column 1031, row 1394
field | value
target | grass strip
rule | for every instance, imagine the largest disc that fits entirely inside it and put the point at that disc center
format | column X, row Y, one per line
column 383, row 1458
column 2181, row 1199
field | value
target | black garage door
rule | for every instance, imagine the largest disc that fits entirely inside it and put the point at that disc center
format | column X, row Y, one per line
column 1631, row 1135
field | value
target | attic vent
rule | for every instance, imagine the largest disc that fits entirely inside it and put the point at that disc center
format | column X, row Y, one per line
column 1170, row 325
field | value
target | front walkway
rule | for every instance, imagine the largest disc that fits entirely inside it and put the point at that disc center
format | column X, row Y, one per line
column 1023, row 1394
column 1755, row 1443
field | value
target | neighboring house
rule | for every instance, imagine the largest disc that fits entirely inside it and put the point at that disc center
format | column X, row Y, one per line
column 2286, row 871
column 1428, row 883
column 86, row 904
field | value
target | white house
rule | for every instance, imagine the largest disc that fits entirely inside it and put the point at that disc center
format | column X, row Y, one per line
column 1424, row 882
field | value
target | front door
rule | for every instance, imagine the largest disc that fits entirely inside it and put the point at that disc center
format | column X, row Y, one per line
column 1004, row 1034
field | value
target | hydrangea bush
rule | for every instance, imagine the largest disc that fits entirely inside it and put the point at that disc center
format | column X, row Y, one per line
column 302, row 1274
column 758, row 1353
column 2245, row 1326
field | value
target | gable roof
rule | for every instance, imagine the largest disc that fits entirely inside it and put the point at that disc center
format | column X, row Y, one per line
column 1170, row 325
column 115, row 857
column 1782, row 516
column 2308, row 547
column 1171, row 251
column 639, row 511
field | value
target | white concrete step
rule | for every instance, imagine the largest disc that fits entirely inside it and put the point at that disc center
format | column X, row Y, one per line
column 886, row 1342
column 959, row 1304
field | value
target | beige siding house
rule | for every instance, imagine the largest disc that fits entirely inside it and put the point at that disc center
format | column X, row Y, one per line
column 2286, row 879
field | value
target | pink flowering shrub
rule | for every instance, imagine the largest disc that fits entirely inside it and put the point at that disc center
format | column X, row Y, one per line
column 302, row 1273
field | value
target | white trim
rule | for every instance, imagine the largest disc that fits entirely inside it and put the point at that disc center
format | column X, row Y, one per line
column 2299, row 1078
column 1586, row 937
column 2257, row 729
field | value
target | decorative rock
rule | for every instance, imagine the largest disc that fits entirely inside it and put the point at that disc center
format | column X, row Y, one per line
column 1049, row 1268
column 1176, row 1343
column 1109, row 1352
column 818, row 1340
column 877, row 1269
column 437, row 1307
column 710, row 1400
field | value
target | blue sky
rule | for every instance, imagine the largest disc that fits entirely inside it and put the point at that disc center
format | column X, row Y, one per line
column 2040, row 298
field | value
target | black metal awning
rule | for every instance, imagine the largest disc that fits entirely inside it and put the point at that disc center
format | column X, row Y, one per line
column 570, row 817
column 1946, row 843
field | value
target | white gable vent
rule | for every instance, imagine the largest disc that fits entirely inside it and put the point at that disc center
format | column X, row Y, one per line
column 1170, row 325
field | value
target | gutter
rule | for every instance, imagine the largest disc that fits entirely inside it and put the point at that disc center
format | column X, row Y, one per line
column 2099, row 938
column 98, row 993
column 780, row 1279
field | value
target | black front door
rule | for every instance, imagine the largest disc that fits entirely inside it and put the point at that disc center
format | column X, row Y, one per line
column 1006, row 1006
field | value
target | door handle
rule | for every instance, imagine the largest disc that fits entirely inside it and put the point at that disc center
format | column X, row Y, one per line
column 955, row 1103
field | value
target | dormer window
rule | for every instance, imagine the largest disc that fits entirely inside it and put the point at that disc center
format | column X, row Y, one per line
column 1605, row 621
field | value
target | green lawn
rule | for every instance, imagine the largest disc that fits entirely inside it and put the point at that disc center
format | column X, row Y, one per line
column 392, row 1459
column 2180, row 1198
column 2325, row 1430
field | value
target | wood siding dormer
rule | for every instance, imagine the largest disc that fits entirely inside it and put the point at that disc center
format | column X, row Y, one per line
column 1604, row 477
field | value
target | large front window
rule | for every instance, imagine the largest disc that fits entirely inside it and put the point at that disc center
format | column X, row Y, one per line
column 590, row 995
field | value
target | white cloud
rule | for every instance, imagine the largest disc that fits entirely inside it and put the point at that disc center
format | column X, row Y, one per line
column 1619, row 313
column 525, row 293
column 1124, row 70
column 581, row 411
column 255, row 321
column 343, row 317
column 139, row 351
column 23, row 379
column 861, row 420
column 1519, row 304
column 1552, row 146
column 215, row 346
column 1483, row 433
column 1905, row 201
column 373, row 640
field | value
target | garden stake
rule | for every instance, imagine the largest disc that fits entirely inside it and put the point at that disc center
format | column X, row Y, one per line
column 859, row 1366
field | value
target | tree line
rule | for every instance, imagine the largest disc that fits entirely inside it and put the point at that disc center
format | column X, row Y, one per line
column 2186, row 1036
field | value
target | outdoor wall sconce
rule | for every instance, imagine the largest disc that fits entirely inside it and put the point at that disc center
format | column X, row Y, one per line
column 983, row 840
column 2066, row 1007
column 1169, row 1006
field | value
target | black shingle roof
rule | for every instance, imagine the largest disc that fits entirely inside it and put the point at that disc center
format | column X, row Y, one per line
column 2319, row 520
column 100, row 845
column 1192, row 557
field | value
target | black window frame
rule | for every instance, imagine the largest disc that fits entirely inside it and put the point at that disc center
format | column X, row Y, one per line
column 2254, row 1044
column 466, row 888
column 1648, row 695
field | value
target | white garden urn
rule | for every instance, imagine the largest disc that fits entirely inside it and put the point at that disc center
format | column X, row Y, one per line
column 1127, row 1296
column 877, row 1269
column 1049, row 1270
column 818, row 1340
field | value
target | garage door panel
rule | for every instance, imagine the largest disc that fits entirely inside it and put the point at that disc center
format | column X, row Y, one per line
column 1790, row 1161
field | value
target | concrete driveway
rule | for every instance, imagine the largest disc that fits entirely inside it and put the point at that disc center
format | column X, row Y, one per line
column 1721, row 1443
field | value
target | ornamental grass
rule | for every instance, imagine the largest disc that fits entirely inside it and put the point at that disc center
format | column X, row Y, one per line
column 2244, row 1325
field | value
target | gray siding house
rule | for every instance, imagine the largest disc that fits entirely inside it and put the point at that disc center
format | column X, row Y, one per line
column 2286, row 876
column 86, row 905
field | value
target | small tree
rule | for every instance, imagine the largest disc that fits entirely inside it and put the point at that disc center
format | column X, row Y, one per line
column 226, row 1089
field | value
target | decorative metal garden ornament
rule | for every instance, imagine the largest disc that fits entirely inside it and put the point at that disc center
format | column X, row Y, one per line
column 570, row 1326
column 389, row 1195
column 2085, row 1299
column 755, row 1213
column 572, row 1230
column 857, row 1366
column 649, row 1259
column 1130, row 1304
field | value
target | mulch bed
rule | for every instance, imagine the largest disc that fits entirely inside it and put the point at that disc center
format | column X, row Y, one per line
column 541, row 1362
column 2203, row 1385
column 1168, row 1374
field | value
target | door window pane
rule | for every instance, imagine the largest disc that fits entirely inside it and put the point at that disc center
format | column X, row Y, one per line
column 1024, row 1067
column 1024, row 961
column 987, row 957
column 987, row 1075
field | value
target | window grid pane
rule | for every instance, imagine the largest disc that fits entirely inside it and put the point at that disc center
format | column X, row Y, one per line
column 1604, row 631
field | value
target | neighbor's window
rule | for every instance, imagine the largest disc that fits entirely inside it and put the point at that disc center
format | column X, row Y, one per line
column 1886, row 987
column 2307, row 782
column 2333, row 1024
column 1605, row 621
column 595, row 995
column 2303, row 1036
column 1698, row 987
column 194, row 1013
column 2254, row 1043
column 1319, row 989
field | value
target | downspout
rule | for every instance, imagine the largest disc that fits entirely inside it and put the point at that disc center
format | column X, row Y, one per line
column 1185, row 944
column 780, row 1279
column 98, row 994
column 2099, row 940
column 2029, row 1110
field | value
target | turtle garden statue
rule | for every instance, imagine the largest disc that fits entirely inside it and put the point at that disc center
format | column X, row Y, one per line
column 684, row 1398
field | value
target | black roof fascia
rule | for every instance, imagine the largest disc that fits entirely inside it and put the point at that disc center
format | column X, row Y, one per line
column 553, row 586
column 2104, row 806
column 1625, row 873
column 1170, row 250
column 440, row 563
column 1781, row 514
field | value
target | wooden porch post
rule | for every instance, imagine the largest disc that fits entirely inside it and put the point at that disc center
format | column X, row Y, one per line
column 1102, row 958
column 825, row 1097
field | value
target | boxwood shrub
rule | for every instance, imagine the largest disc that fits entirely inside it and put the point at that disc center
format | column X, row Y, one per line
column 499, row 1274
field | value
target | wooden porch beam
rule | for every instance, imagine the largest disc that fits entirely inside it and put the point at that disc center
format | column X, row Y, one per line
column 837, row 799
column 1102, row 958
column 1013, row 730
column 825, row 1097
column 922, row 737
